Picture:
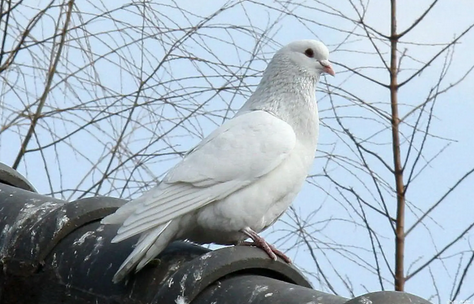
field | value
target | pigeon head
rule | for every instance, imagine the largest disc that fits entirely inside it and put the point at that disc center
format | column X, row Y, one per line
column 289, row 83
column 309, row 56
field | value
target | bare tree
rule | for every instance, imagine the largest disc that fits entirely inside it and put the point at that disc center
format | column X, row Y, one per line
column 100, row 98
column 116, row 88
column 383, row 149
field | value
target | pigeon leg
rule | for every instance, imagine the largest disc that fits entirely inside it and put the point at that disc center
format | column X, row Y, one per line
column 260, row 242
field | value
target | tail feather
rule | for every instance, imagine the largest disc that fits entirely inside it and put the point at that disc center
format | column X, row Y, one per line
column 148, row 247
column 120, row 215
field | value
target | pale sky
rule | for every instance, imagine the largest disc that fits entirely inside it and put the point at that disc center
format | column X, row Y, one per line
column 452, row 120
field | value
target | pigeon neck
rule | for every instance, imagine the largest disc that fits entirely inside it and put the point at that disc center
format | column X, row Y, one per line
column 290, row 96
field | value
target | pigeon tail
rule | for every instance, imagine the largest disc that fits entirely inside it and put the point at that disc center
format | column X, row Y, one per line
column 147, row 248
column 122, row 213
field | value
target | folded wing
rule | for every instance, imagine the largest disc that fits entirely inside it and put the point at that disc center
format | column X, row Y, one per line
column 236, row 154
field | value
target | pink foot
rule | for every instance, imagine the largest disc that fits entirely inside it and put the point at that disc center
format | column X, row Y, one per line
column 260, row 242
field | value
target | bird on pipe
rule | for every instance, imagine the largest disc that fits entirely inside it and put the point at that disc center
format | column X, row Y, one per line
column 242, row 177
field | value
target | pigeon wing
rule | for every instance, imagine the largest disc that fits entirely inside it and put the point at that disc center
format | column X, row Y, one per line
column 236, row 154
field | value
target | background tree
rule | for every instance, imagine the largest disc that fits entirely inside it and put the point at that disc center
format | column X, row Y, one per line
column 101, row 98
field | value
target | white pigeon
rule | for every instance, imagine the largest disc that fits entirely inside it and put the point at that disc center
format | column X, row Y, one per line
column 243, row 176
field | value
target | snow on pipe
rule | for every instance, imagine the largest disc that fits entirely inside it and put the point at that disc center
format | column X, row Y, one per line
column 53, row 251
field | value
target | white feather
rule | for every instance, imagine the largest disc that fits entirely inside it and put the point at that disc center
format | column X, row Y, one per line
column 144, row 243
column 269, row 142
column 244, row 174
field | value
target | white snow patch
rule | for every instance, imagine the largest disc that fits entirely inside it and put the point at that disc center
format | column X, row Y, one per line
column 82, row 239
column 28, row 206
column 27, row 211
column 197, row 275
column 206, row 256
column 6, row 237
column 365, row 300
column 54, row 262
column 182, row 282
column 35, row 200
column 181, row 300
column 99, row 242
column 61, row 221
column 268, row 294
column 174, row 267
column 6, row 229
column 32, row 208
column 258, row 289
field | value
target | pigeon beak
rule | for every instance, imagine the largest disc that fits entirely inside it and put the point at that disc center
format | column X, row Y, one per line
column 329, row 70
column 327, row 67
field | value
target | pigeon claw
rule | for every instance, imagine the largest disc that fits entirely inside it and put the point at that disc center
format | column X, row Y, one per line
column 260, row 242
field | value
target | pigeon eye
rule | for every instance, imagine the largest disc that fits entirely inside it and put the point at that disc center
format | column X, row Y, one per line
column 309, row 53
